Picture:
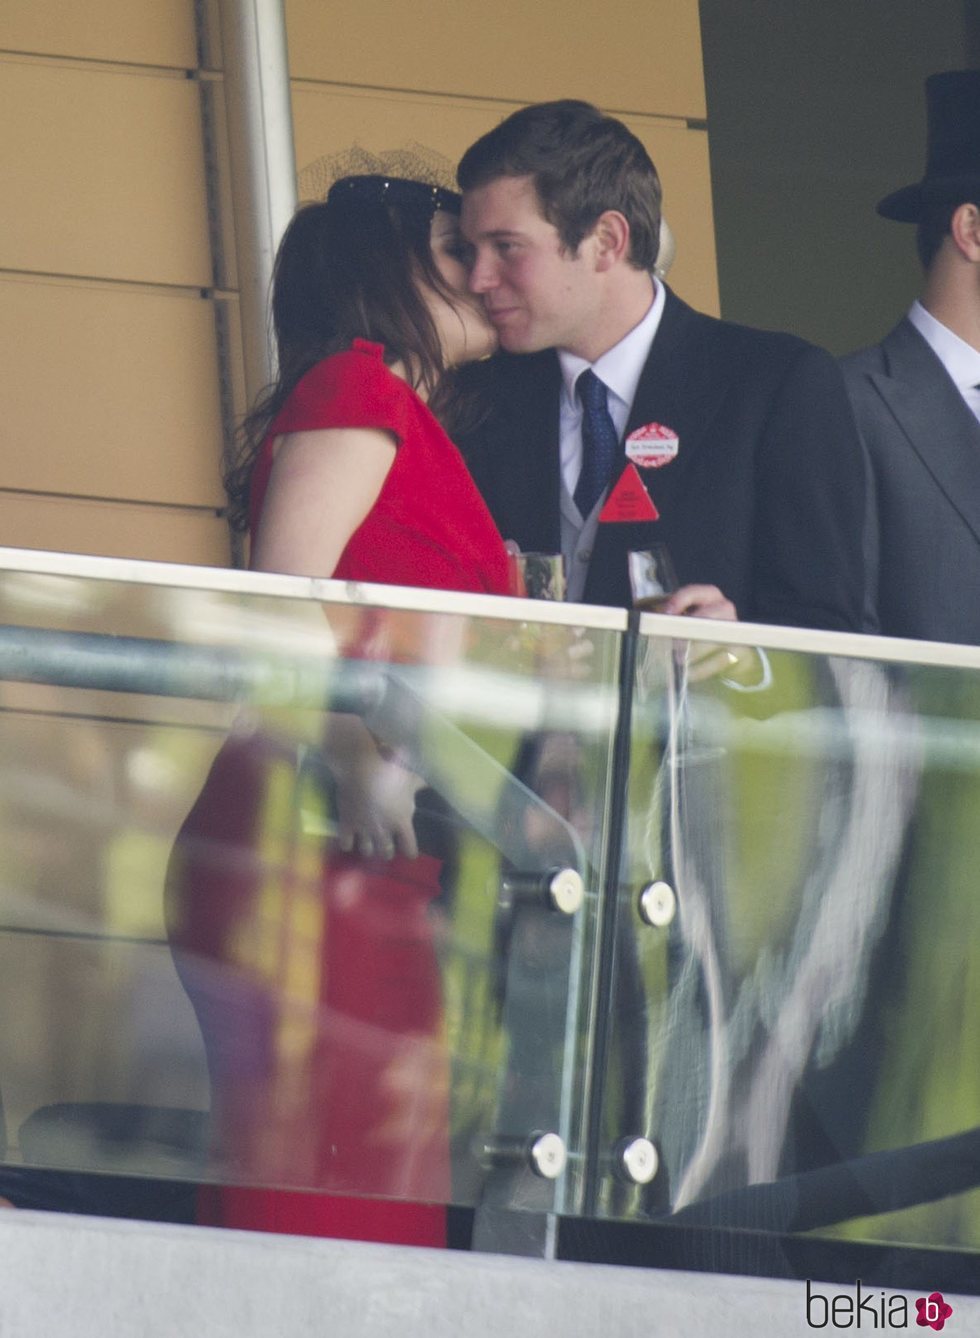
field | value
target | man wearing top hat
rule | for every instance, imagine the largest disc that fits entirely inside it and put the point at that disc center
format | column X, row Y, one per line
column 916, row 395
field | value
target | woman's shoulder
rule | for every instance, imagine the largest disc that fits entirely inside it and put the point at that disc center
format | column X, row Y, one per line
column 350, row 388
column 363, row 363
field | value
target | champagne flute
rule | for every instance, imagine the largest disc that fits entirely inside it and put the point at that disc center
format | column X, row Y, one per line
column 652, row 577
column 537, row 575
column 652, row 581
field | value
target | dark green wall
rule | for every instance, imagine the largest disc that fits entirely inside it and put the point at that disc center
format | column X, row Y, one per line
column 815, row 111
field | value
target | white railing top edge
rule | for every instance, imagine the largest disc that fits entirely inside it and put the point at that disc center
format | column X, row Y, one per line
column 600, row 618
column 236, row 581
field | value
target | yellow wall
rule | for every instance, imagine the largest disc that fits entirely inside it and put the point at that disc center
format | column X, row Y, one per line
column 110, row 278
column 111, row 388
column 445, row 72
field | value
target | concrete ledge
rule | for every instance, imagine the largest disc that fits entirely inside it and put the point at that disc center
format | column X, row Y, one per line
column 83, row 1277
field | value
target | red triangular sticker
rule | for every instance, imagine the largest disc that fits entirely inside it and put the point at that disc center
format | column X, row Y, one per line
column 629, row 500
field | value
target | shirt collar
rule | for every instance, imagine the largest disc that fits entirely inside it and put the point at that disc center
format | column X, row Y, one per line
column 621, row 366
column 961, row 360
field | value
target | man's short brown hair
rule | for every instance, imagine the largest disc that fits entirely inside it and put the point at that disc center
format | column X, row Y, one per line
column 582, row 163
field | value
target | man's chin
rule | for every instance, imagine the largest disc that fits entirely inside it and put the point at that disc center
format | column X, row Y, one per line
column 513, row 341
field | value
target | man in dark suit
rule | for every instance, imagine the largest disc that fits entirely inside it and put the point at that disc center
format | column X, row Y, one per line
column 736, row 448
column 917, row 393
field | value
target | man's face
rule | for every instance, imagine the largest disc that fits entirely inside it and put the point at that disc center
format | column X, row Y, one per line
column 537, row 294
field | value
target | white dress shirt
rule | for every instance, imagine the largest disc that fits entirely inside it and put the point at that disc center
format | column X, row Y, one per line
column 620, row 369
column 961, row 360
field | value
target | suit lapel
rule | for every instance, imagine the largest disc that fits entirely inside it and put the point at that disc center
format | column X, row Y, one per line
column 670, row 393
column 675, row 358
column 920, row 396
column 681, row 387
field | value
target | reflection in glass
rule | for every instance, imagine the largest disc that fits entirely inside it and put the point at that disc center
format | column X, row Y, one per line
column 791, row 1016
column 341, row 1022
column 786, row 942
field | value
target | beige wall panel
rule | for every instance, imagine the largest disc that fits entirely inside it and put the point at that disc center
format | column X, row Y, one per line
column 327, row 120
column 109, row 392
column 113, row 529
column 102, row 174
column 620, row 54
column 144, row 32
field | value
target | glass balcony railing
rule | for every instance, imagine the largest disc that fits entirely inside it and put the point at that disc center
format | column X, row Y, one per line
column 794, row 998
column 679, row 923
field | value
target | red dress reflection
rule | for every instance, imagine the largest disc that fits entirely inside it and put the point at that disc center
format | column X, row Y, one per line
column 315, row 974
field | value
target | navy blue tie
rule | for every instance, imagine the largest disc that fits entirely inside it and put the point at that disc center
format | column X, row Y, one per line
column 600, row 441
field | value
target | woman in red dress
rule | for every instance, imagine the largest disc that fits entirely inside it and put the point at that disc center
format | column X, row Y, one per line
column 347, row 471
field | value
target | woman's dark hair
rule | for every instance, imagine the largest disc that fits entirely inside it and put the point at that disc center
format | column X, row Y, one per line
column 349, row 266
column 582, row 162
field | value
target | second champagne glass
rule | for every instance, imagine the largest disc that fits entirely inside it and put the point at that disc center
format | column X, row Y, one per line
column 652, row 577
column 537, row 575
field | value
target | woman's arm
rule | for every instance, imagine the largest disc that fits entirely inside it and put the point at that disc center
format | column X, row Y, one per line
column 321, row 487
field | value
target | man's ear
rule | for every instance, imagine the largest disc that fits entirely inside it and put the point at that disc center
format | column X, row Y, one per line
column 611, row 239
column 964, row 228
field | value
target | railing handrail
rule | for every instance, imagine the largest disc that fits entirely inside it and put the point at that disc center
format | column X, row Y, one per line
column 851, row 645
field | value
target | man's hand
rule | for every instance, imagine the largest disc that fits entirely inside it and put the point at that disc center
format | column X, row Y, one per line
column 700, row 601
column 732, row 662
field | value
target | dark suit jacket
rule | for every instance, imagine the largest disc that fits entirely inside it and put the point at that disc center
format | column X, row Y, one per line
column 765, row 499
column 924, row 446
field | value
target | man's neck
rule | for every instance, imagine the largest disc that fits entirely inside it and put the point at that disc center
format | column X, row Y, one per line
column 952, row 296
column 625, row 304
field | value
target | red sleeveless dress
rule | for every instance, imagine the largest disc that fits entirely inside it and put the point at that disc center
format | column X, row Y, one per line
column 313, row 1039
column 429, row 527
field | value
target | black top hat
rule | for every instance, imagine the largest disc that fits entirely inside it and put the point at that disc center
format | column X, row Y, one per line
column 953, row 152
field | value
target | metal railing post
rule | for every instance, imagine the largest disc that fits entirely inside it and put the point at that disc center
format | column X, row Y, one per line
column 263, row 167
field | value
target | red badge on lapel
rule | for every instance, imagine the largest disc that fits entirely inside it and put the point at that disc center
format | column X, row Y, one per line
column 629, row 500
column 652, row 446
